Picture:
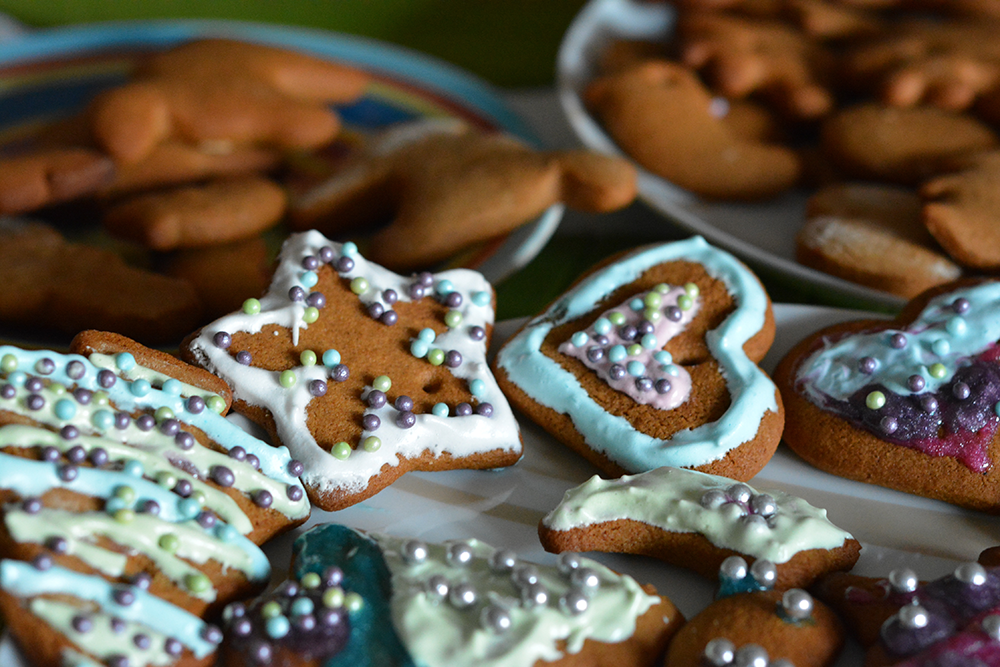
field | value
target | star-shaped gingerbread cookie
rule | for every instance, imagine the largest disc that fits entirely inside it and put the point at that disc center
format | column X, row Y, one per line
column 362, row 373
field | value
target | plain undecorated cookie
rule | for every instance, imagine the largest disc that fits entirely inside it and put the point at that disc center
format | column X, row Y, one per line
column 667, row 121
column 873, row 235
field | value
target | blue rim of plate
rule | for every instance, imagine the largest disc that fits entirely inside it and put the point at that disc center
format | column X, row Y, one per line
column 449, row 85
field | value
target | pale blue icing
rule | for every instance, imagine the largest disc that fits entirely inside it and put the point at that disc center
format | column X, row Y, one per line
column 33, row 478
column 273, row 460
column 938, row 335
column 751, row 391
column 23, row 580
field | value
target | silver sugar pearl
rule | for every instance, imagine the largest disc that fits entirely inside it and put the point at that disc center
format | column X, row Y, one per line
column 414, row 552
column 437, row 588
column 459, row 554
column 764, row 572
column 567, row 562
column 496, row 618
column 750, row 655
column 524, row 574
column 719, row 652
column 534, row 595
column 797, row 604
column 913, row 616
column 463, row 595
column 739, row 493
column 903, row 580
column 585, row 580
column 573, row 603
column 971, row 573
column 991, row 626
column 713, row 499
column 733, row 567
column 763, row 504
column 502, row 561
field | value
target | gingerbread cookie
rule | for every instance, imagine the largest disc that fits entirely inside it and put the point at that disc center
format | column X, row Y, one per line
column 665, row 119
column 909, row 404
column 218, row 90
column 199, row 215
column 377, row 599
column 765, row 628
column 697, row 521
column 650, row 360
column 362, row 373
column 55, row 285
column 873, row 235
column 872, row 141
column 445, row 185
column 740, row 56
column 953, row 620
column 960, row 210
column 946, row 63
column 51, row 176
column 131, row 503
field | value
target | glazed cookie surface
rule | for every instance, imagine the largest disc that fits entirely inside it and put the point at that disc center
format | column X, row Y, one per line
column 697, row 521
column 132, row 506
column 650, row 360
column 362, row 373
column 406, row 602
column 910, row 404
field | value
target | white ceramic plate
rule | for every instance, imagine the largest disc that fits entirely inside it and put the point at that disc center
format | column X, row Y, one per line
column 503, row 507
column 763, row 233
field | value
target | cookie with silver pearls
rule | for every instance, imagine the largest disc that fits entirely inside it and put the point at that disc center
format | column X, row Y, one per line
column 463, row 602
column 751, row 624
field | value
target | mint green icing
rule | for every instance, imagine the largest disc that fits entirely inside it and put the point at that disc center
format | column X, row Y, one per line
column 22, row 580
column 939, row 335
column 670, row 498
column 752, row 392
column 441, row 635
column 101, row 641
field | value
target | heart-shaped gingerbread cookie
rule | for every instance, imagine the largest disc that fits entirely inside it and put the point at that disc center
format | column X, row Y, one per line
column 910, row 404
column 650, row 360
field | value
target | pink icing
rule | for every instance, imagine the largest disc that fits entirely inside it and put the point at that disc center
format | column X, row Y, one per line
column 663, row 330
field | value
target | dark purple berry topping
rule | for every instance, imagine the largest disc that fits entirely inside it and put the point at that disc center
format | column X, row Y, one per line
column 183, row 488
column 123, row 596
column 316, row 300
column 68, row 472
column 326, row 254
column 344, row 264
column 35, row 402
column 31, row 505
column 142, row 581
column 477, row 333
column 45, row 366
column 371, row 422
column 867, row 365
column 57, row 545
column 404, row 403
column 50, row 454
column 425, row 278
column 82, row 624
column 644, row 384
column 389, row 318
column 897, row 341
column 453, row 359
column 294, row 493
column 674, row 314
column 145, row 422
column 69, row 432
column 75, row 369
column 390, row 296
column 417, row 291
column 375, row 310
column 961, row 305
column 122, row 420
column 617, row 371
column 317, row 388
column 34, row 384
column 238, row 453
column 297, row 294
column 82, row 396
column 310, row 262
column 453, row 299
column 170, row 427
column 98, row 456
column 628, row 332
column 244, row 357
column 206, row 519
column 295, row 468
column 76, row 454
column 463, row 410
column 484, row 409
column 150, row 506
column 195, row 405
column 662, row 386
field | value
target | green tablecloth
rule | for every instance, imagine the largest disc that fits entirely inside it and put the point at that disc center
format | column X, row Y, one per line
column 507, row 42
